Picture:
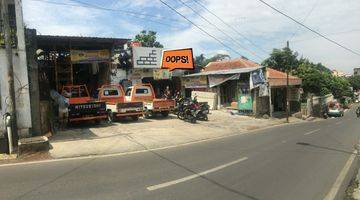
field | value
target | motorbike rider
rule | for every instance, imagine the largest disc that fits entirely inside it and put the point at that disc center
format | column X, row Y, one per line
column 358, row 111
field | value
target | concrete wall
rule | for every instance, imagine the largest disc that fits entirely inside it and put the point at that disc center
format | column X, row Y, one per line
column 20, row 76
column 315, row 104
column 30, row 35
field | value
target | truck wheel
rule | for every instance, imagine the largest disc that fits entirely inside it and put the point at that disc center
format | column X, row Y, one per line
column 165, row 113
column 110, row 117
column 135, row 118
column 147, row 114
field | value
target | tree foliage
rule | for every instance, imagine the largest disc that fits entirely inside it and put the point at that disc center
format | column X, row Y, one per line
column 282, row 59
column 316, row 78
column 355, row 82
column 148, row 39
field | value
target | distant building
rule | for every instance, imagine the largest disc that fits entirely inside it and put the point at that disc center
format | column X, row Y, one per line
column 339, row 73
column 357, row 71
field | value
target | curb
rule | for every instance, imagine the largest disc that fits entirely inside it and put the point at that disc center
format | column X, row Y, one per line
column 94, row 156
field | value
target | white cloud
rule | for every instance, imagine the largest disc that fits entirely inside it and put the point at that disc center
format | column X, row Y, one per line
column 270, row 29
column 257, row 22
column 60, row 20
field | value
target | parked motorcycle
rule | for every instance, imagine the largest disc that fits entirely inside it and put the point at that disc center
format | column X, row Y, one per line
column 187, row 110
column 203, row 108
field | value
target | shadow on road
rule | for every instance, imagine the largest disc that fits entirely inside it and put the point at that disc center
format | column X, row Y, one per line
column 322, row 147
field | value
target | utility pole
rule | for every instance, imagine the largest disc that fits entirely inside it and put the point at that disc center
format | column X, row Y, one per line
column 10, row 67
column 287, row 90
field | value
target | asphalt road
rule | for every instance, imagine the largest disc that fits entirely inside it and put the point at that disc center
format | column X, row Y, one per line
column 298, row 161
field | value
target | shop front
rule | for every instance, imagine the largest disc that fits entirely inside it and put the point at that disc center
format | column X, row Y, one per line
column 67, row 60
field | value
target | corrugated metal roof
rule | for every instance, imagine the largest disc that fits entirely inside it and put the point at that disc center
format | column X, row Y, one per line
column 226, row 71
column 81, row 38
column 230, row 64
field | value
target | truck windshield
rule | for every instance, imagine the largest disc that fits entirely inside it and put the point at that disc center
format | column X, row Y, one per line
column 111, row 92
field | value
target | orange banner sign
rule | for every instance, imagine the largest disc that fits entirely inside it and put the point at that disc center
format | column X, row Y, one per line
column 177, row 59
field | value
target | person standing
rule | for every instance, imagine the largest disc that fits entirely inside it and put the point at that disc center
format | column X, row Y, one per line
column 167, row 93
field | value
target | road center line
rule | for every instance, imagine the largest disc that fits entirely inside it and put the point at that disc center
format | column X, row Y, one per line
column 313, row 131
column 187, row 178
column 340, row 179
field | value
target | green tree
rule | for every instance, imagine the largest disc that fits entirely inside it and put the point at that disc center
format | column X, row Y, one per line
column 148, row 39
column 199, row 62
column 313, row 80
column 354, row 82
column 282, row 59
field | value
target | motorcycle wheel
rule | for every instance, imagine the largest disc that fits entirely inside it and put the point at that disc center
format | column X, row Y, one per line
column 180, row 115
column 193, row 120
column 206, row 118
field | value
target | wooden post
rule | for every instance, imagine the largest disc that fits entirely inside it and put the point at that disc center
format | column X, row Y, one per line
column 71, row 65
column 10, row 68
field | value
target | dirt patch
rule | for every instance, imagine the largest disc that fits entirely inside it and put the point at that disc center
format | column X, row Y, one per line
column 249, row 128
column 25, row 158
column 349, row 193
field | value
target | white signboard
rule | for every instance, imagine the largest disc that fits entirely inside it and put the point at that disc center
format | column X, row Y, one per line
column 147, row 57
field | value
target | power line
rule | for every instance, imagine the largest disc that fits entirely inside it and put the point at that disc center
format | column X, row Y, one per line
column 231, row 27
column 131, row 13
column 93, row 6
column 305, row 18
column 310, row 29
column 337, row 33
column 173, row 9
column 217, row 28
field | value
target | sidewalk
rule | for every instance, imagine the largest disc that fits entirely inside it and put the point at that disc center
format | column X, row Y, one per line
column 151, row 133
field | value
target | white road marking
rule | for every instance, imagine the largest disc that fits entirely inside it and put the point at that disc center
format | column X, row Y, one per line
column 339, row 122
column 283, row 142
column 187, row 178
column 313, row 131
column 336, row 186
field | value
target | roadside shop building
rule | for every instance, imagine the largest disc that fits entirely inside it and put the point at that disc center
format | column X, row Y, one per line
column 233, row 82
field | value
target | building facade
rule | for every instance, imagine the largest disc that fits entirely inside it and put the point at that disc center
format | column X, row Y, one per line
column 21, row 80
column 234, row 82
column 357, row 71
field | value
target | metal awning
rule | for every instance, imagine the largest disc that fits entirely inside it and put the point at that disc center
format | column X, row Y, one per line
column 227, row 71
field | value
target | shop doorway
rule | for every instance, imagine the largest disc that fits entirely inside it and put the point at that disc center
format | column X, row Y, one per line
column 278, row 99
column 93, row 75
column 228, row 92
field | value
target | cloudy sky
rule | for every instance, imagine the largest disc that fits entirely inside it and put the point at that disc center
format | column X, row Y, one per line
column 254, row 30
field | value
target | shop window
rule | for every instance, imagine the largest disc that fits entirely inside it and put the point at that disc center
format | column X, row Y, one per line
column 12, row 23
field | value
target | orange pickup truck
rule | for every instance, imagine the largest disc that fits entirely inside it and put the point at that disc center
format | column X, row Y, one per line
column 82, row 107
column 117, row 107
column 146, row 94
